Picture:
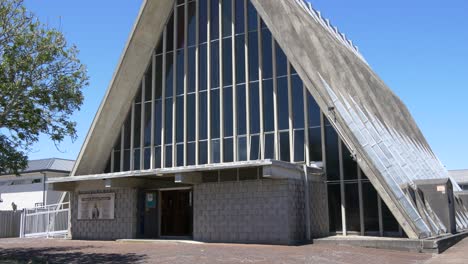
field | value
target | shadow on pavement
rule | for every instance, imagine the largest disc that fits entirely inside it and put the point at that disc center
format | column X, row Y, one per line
column 64, row 255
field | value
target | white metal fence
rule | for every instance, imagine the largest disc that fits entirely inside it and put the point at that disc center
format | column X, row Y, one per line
column 10, row 224
column 45, row 221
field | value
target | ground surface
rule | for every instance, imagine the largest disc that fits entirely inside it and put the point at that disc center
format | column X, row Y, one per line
column 87, row 252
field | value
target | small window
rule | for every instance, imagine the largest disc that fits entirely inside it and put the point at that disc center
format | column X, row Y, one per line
column 37, row 181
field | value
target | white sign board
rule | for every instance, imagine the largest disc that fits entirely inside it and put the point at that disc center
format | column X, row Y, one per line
column 96, row 206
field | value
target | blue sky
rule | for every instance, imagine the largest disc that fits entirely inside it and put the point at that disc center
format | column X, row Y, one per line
column 419, row 48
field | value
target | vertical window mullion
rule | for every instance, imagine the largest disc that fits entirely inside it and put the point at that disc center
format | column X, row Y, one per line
column 132, row 135
column 361, row 202
column 234, row 80
column 185, row 79
column 275, row 99
column 197, row 79
column 112, row 161
column 221, row 83
column 324, row 149
column 163, row 98
column 342, row 187
column 122, row 140
column 290, row 115
column 153, row 106
column 260, row 88
column 306, row 124
column 174, row 90
column 208, row 80
column 142, row 118
column 379, row 206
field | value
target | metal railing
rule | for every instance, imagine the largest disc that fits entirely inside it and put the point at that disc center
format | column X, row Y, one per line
column 45, row 221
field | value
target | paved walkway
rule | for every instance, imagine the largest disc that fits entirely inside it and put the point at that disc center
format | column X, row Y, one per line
column 67, row 251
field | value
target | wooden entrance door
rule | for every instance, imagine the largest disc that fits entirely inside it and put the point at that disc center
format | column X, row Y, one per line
column 176, row 213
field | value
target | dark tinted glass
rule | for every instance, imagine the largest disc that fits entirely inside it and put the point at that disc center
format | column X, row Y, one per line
column 227, row 112
column 191, row 111
column 251, row 16
column 297, row 101
column 191, row 70
column 180, row 155
column 147, row 159
column 240, row 58
column 203, row 8
column 240, row 16
column 192, row 29
column 107, row 169
column 242, row 148
column 215, row 151
column 169, row 74
column 313, row 111
column 349, row 165
column 180, row 119
column 180, row 72
column 191, row 153
column 214, row 64
column 214, row 112
column 390, row 224
column 254, row 147
column 269, row 146
column 170, row 34
column 371, row 209
column 180, row 27
column 157, row 157
column 203, row 71
column 284, row 146
column 168, row 122
column 117, row 144
column 331, row 144
column 147, row 124
column 157, row 122
column 227, row 61
column 117, row 161
column 203, row 152
column 267, row 54
column 268, row 106
column 126, row 162
column 283, row 110
column 353, row 220
column 138, row 95
column 159, row 74
column 299, row 145
column 137, row 126
column 281, row 62
column 315, row 144
column 127, row 130
column 203, row 115
column 228, row 150
column 254, row 105
column 253, row 56
column 149, row 82
column 334, row 207
column 227, row 17
column 241, row 110
column 168, row 156
column 214, row 19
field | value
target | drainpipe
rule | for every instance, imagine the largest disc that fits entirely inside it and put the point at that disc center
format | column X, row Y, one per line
column 307, row 203
column 43, row 188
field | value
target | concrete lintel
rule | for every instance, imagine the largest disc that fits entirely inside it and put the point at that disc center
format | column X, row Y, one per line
column 188, row 178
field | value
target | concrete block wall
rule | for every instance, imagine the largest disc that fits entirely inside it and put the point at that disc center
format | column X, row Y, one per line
column 123, row 226
column 260, row 211
column 320, row 225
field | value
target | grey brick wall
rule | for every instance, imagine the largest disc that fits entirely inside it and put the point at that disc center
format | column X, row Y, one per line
column 123, row 226
column 320, row 225
column 262, row 211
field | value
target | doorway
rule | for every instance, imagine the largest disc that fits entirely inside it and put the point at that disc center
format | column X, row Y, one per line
column 176, row 213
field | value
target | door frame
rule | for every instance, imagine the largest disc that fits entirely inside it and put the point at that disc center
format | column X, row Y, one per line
column 160, row 191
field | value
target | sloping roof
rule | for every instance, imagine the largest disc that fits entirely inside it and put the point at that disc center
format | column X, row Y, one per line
column 52, row 164
column 460, row 176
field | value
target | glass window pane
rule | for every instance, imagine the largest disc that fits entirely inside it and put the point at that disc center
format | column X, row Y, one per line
column 126, row 163
column 349, row 165
column 240, row 59
column 169, row 74
column 180, row 72
column 157, row 122
column 180, row 155
column 138, row 95
column 267, row 62
column 118, row 141
column 214, row 111
column 214, row 23
column 241, row 110
column 331, row 144
column 255, row 147
column 268, row 106
column 180, row 27
column 168, row 163
column 203, row 115
column 191, row 153
column 107, row 169
column 283, row 109
column 215, row 151
column 390, row 224
column 315, row 144
column 116, row 161
column 192, row 29
column 147, row 124
column 334, row 207
column 313, row 111
column 168, row 121
column 240, row 15
column 159, row 74
column 136, row 159
column 228, row 155
column 371, row 209
column 203, row 152
column 253, row 56
column 227, row 111
column 159, row 47
column 353, row 220
column 281, row 62
column 203, row 8
column 254, row 106
column 127, row 130
column 137, row 126
column 227, row 61
column 242, row 149
column 297, row 101
column 149, row 82
column 170, row 34
column 191, row 70
column 203, row 71
column 269, row 146
column 191, row 111
column 180, row 119
column 227, row 17
column 252, row 16
column 214, row 64
column 284, row 146
column 147, row 158
column 299, row 146
column 157, row 157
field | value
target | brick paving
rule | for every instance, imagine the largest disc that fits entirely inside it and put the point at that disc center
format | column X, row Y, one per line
column 68, row 251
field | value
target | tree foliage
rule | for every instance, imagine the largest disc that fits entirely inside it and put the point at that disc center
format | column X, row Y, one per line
column 41, row 82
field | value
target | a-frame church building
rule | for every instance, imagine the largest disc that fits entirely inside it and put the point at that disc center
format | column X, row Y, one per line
column 253, row 121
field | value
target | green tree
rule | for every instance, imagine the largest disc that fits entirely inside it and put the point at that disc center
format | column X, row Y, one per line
column 41, row 82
